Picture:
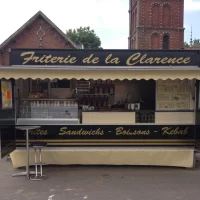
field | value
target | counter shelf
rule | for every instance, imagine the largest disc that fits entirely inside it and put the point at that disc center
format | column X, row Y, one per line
column 48, row 111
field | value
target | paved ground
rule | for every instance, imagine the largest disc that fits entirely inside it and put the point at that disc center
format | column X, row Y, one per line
column 102, row 183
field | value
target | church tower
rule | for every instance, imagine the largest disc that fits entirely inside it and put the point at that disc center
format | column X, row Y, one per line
column 156, row 24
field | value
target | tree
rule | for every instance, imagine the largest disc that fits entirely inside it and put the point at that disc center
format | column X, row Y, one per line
column 195, row 43
column 186, row 45
column 86, row 37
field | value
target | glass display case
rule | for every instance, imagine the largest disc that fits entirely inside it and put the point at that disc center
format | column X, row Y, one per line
column 48, row 111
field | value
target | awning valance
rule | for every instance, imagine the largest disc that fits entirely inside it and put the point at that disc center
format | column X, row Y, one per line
column 99, row 74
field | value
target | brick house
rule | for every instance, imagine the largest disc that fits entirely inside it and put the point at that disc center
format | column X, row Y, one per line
column 38, row 32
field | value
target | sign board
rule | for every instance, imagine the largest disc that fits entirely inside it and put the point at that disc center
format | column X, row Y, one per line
column 173, row 94
column 80, row 57
column 136, row 134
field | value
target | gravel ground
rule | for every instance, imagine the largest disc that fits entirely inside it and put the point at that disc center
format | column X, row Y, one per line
column 102, row 183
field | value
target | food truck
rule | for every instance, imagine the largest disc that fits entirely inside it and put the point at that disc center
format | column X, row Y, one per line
column 127, row 107
column 103, row 107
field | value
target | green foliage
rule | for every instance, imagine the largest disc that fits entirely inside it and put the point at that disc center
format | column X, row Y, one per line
column 195, row 43
column 186, row 45
column 86, row 37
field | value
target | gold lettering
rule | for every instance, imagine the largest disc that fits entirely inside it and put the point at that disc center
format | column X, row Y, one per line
column 132, row 60
column 54, row 59
column 157, row 60
column 60, row 59
column 176, row 131
column 180, row 60
column 30, row 53
column 186, row 60
column 172, row 60
column 95, row 60
column 107, row 60
column 38, row 132
column 164, row 60
column 65, row 131
column 62, row 131
column 36, row 59
column 70, row 60
column 42, row 59
column 111, row 60
column 91, row 59
column 66, row 60
column 71, row 133
column 149, row 61
column 142, row 61
column 79, row 132
column 122, row 131
column 48, row 59
column 73, row 60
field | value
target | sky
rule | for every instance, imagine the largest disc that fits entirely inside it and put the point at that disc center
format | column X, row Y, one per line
column 109, row 18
